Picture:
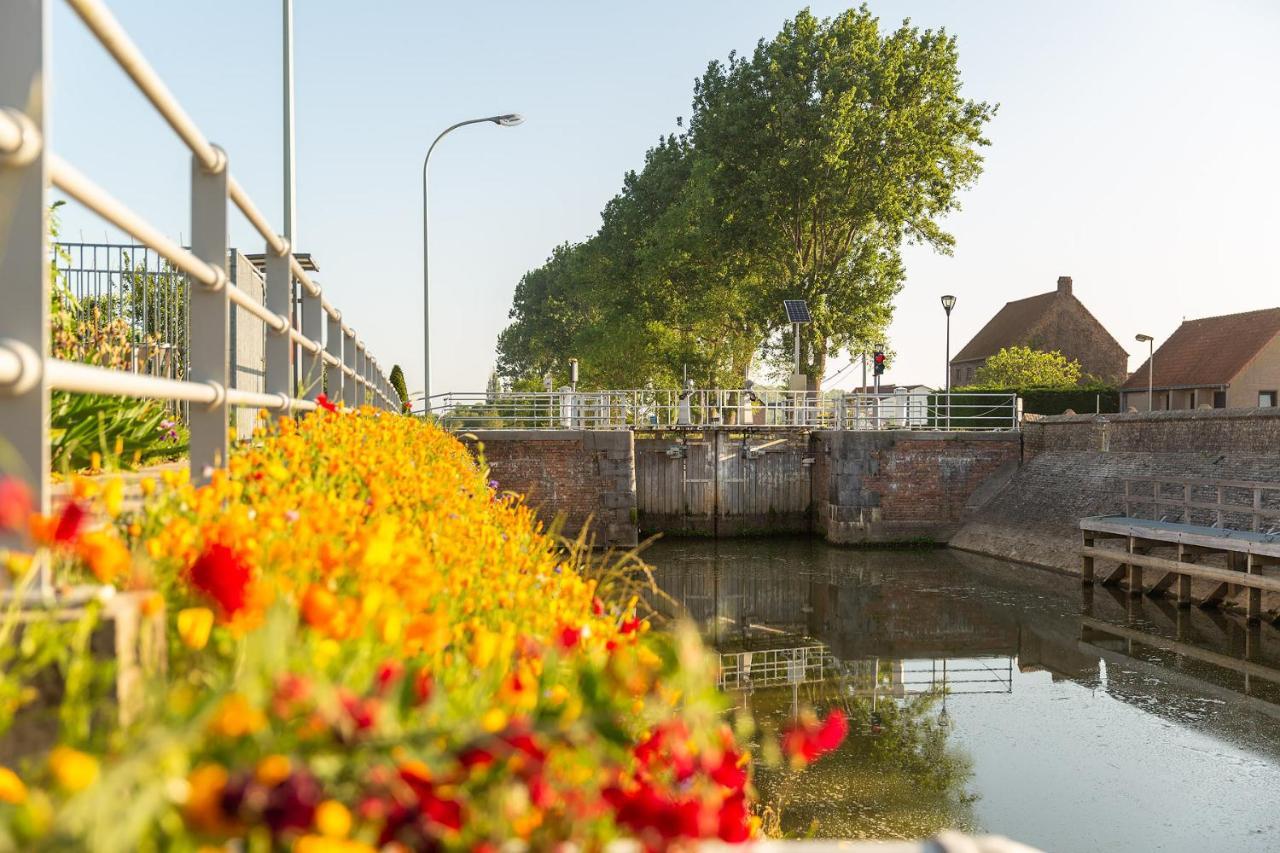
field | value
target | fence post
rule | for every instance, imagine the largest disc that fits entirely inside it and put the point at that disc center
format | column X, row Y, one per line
column 333, row 345
column 24, row 270
column 210, row 325
column 349, row 361
column 279, row 284
column 362, row 393
column 312, row 326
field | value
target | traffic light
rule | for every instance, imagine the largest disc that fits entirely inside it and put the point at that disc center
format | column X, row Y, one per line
column 878, row 358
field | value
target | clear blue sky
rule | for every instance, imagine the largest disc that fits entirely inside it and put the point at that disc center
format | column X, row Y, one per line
column 1135, row 149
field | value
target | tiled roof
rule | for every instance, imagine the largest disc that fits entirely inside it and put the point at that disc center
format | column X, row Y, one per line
column 1008, row 328
column 1209, row 351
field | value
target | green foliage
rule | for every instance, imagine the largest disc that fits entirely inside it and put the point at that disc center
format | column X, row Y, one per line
column 804, row 169
column 397, row 382
column 1023, row 367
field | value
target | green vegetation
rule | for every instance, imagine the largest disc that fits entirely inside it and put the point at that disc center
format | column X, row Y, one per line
column 1023, row 367
column 804, row 168
column 397, row 382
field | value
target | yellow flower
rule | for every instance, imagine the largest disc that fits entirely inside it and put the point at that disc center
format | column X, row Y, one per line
column 113, row 497
column 73, row 770
column 11, row 788
column 194, row 625
column 236, row 717
column 273, row 770
column 494, row 720
column 333, row 819
column 106, row 556
column 324, row 844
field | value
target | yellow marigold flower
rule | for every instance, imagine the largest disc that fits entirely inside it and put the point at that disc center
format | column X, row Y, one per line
column 273, row 770
column 203, row 808
column 73, row 770
column 11, row 788
column 494, row 720
column 236, row 717
column 106, row 556
column 152, row 604
column 194, row 625
column 113, row 497
column 324, row 844
column 18, row 563
column 333, row 820
column 483, row 647
column 148, row 485
column 95, row 461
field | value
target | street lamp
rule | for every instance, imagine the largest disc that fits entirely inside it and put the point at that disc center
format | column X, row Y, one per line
column 507, row 120
column 1151, row 360
column 948, row 302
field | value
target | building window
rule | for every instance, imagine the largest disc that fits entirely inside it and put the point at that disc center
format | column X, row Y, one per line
column 1191, row 398
column 1266, row 399
column 1219, row 399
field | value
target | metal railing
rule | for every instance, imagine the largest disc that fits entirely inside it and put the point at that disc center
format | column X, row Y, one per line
column 1226, row 504
column 746, row 408
column 28, row 167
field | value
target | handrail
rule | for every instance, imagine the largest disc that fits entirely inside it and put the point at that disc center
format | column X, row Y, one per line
column 27, row 370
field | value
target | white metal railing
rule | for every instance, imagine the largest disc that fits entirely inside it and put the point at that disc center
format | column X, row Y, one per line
column 329, row 347
column 753, row 407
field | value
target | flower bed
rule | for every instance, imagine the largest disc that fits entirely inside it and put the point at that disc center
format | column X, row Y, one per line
column 370, row 649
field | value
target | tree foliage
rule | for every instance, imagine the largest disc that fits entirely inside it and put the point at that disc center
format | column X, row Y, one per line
column 804, row 169
column 397, row 382
column 1023, row 367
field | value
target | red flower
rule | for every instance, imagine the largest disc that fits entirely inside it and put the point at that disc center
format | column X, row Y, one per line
column 597, row 606
column 731, row 772
column 447, row 813
column 15, row 503
column 629, row 626
column 221, row 574
column 423, row 686
column 570, row 637
column 806, row 739
column 388, row 673
column 475, row 756
column 323, row 402
column 734, row 826
column 69, row 523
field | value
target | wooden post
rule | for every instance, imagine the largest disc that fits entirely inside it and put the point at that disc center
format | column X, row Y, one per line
column 1184, row 581
column 1219, row 511
column 1135, row 573
column 1086, row 563
column 1253, row 606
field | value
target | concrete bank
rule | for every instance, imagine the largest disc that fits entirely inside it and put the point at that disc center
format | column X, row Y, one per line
column 1075, row 466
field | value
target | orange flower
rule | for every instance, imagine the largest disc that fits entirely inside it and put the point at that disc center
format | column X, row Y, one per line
column 319, row 606
column 73, row 770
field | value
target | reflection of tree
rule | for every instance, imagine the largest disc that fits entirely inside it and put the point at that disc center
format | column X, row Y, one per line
column 896, row 776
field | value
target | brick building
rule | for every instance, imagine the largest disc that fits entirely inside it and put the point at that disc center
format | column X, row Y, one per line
column 1227, row 362
column 1048, row 321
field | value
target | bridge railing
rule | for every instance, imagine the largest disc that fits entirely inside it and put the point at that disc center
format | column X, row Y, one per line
column 330, row 349
column 743, row 407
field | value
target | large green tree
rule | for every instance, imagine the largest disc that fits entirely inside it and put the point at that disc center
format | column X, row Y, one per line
column 805, row 168
column 833, row 145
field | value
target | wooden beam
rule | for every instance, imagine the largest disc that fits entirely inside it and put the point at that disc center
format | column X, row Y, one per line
column 1212, row 573
column 1215, row 598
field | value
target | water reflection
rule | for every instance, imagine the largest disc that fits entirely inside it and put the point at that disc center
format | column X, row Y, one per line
column 956, row 671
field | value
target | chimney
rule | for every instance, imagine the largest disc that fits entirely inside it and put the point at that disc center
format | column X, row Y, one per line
column 1064, row 285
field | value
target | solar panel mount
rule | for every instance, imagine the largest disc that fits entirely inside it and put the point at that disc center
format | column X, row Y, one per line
column 797, row 311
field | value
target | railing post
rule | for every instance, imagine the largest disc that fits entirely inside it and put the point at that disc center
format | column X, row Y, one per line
column 348, row 361
column 312, row 327
column 279, row 351
column 333, row 345
column 24, row 259
column 210, row 324
column 362, row 393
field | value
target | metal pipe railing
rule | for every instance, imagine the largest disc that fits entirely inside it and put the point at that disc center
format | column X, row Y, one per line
column 28, row 372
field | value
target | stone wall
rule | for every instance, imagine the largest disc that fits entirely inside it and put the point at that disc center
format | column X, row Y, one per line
column 897, row 486
column 1075, row 466
column 578, row 475
column 1202, row 430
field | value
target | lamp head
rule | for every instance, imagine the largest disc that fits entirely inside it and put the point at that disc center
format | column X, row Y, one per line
column 1145, row 339
column 508, row 120
column 948, row 302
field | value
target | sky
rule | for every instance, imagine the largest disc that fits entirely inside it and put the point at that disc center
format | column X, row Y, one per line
column 1134, row 150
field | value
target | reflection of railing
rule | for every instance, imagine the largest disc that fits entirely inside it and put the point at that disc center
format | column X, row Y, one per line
column 864, row 678
column 672, row 408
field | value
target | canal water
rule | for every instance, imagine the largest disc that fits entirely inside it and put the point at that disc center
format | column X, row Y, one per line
column 990, row 697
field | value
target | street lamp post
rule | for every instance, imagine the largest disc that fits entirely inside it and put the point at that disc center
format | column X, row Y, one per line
column 507, row 120
column 948, row 302
column 1151, row 361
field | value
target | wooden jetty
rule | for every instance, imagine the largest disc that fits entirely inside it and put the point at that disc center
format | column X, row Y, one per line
column 1190, row 520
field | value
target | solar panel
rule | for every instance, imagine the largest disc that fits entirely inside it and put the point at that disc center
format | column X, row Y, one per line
column 797, row 311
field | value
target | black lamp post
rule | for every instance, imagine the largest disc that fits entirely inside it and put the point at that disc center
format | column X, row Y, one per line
column 948, row 302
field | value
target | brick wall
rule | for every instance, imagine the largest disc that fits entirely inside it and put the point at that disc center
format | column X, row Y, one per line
column 897, row 486
column 1202, row 430
column 573, row 474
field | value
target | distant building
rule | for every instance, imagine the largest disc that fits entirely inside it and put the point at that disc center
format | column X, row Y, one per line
column 1228, row 362
column 1050, row 321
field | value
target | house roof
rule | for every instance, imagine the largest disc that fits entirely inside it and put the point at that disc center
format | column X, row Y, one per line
column 889, row 389
column 1007, row 328
column 1209, row 351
